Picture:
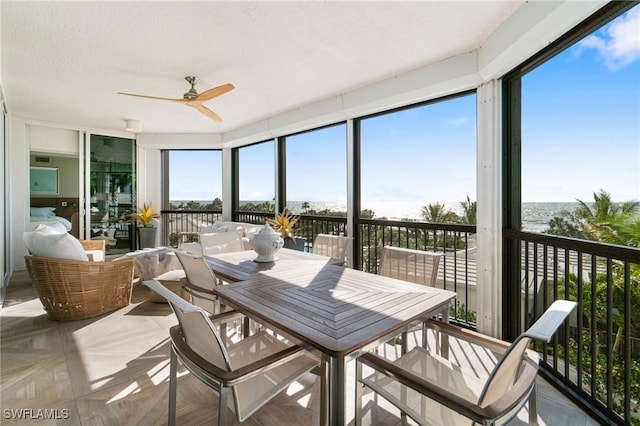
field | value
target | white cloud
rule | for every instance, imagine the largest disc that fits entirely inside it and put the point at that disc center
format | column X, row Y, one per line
column 458, row 122
column 618, row 43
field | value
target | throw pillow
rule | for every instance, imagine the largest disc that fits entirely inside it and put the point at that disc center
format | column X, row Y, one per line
column 219, row 226
column 54, row 228
column 46, row 242
column 42, row 212
column 205, row 229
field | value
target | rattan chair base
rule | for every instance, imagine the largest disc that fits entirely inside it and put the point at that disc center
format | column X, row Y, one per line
column 73, row 290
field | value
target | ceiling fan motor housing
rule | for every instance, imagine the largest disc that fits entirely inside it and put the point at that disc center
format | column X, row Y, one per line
column 192, row 92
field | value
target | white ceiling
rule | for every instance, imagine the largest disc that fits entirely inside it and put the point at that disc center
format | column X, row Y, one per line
column 63, row 62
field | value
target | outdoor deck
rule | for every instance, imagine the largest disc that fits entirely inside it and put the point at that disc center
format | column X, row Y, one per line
column 114, row 370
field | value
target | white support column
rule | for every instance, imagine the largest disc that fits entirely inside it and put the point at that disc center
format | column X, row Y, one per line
column 227, row 184
column 149, row 178
column 489, row 215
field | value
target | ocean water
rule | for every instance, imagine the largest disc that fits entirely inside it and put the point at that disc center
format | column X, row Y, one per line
column 535, row 216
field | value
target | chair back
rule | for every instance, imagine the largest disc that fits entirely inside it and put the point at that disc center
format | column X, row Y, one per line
column 199, row 332
column 331, row 245
column 416, row 266
column 220, row 242
column 197, row 270
column 506, row 373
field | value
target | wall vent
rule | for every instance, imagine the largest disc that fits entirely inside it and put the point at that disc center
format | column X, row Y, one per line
column 42, row 159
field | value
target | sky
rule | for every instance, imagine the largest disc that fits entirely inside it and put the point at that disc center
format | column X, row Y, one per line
column 580, row 134
column 581, row 118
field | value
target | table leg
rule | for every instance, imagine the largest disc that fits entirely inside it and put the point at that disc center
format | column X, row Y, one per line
column 333, row 390
column 445, row 337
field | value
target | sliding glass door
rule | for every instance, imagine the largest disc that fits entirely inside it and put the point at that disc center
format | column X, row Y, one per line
column 111, row 182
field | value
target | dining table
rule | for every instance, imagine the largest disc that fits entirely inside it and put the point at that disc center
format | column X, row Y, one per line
column 241, row 265
column 335, row 312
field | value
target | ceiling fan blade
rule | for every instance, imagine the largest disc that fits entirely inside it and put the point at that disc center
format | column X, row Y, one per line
column 182, row 101
column 206, row 111
column 215, row 92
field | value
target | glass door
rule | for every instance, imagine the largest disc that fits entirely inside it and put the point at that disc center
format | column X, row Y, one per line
column 111, row 174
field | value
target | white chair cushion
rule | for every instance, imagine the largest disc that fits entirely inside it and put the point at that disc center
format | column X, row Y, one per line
column 95, row 255
column 44, row 241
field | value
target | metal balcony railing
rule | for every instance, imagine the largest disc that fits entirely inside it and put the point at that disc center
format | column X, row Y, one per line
column 457, row 242
column 598, row 357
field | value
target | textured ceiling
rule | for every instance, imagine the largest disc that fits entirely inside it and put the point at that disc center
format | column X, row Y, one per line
column 64, row 62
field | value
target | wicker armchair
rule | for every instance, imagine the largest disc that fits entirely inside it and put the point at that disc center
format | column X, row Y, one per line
column 76, row 289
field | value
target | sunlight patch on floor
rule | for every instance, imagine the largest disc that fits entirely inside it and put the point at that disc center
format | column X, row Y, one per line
column 133, row 388
column 159, row 373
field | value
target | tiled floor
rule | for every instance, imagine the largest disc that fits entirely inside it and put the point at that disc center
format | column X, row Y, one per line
column 113, row 370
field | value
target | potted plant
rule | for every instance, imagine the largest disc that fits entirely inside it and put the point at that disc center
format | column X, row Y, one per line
column 284, row 223
column 146, row 233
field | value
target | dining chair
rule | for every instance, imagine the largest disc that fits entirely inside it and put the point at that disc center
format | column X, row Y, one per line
column 220, row 242
column 199, row 282
column 246, row 374
column 416, row 266
column 331, row 246
column 432, row 389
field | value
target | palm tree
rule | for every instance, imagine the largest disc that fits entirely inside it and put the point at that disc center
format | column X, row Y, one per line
column 438, row 213
column 597, row 222
column 306, row 206
column 627, row 230
column 469, row 211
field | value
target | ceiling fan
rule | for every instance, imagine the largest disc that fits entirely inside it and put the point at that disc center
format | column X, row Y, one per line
column 193, row 99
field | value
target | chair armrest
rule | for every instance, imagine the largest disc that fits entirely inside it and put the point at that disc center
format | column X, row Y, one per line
column 226, row 316
column 184, row 236
column 194, row 361
column 461, row 405
column 474, row 337
column 93, row 244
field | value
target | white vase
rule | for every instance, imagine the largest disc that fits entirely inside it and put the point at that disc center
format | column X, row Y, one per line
column 266, row 243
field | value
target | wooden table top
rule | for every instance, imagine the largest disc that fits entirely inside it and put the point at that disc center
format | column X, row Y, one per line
column 240, row 265
column 334, row 309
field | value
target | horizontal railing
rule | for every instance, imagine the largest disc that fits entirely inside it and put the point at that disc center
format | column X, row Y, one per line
column 597, row 358
column 184, row 221
column 307, row 226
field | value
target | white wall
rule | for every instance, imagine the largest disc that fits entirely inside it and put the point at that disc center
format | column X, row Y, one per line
column 18, row 171
column 54, row 140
